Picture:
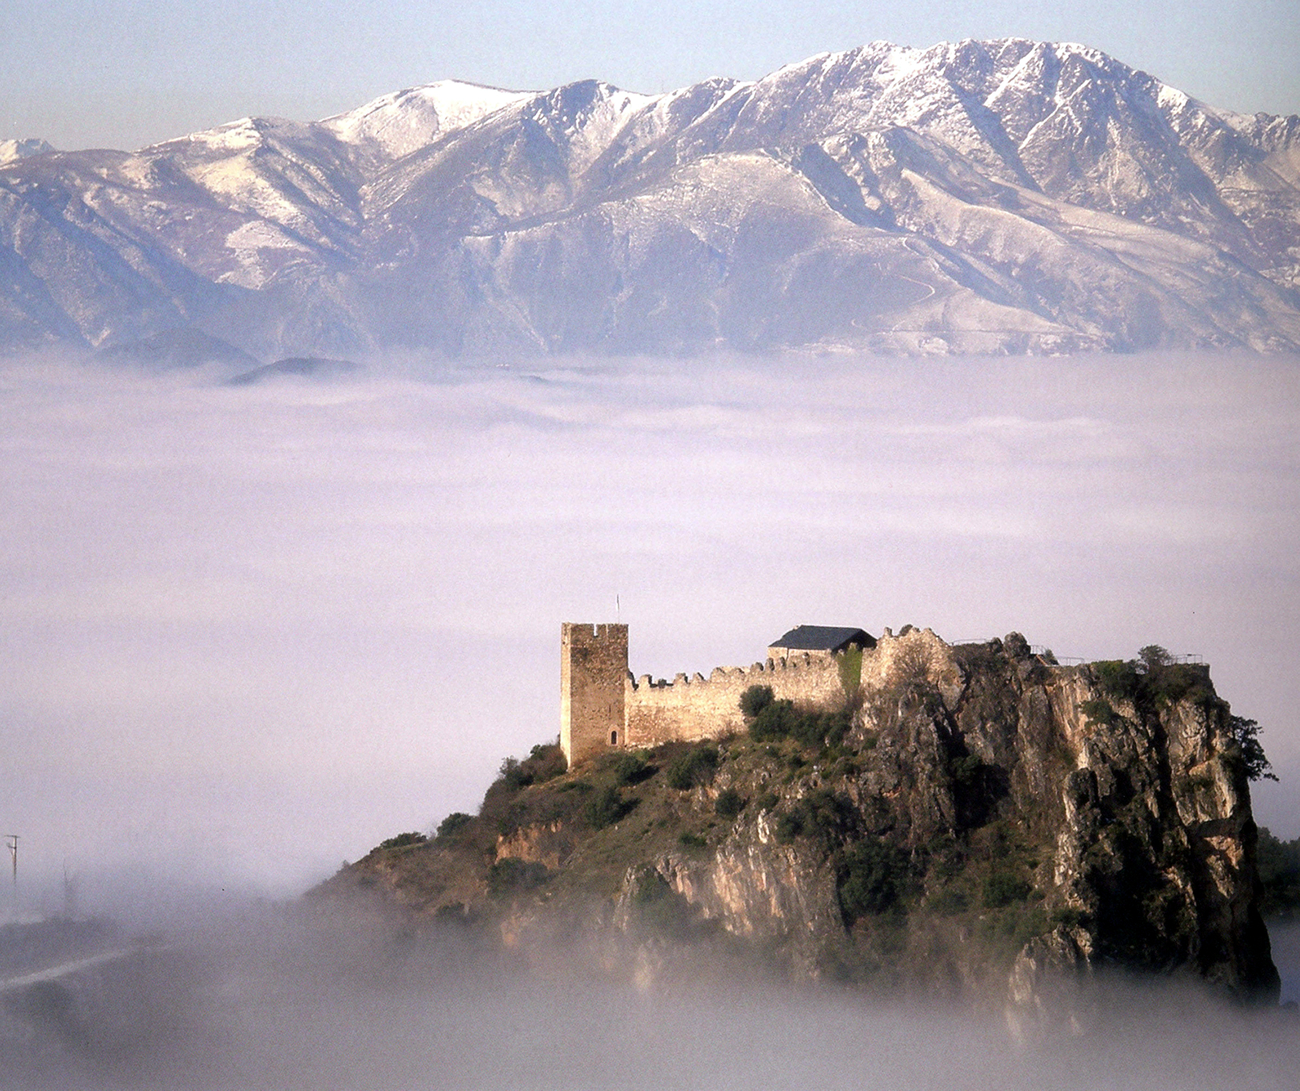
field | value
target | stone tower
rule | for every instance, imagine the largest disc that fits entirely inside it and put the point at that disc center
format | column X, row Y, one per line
column 593, row 675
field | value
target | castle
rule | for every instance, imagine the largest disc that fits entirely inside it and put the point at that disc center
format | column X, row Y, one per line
column 602, row 706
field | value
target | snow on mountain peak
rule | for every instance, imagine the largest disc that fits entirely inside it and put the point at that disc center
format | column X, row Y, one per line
column 22, row 149
column 1003, row 195
column 399, row 123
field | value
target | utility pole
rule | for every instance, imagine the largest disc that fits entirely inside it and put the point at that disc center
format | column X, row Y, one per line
column 11, row 841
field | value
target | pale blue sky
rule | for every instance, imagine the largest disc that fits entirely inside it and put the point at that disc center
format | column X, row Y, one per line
column 124, row 73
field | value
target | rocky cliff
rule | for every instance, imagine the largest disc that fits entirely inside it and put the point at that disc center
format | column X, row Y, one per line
column 976, row 821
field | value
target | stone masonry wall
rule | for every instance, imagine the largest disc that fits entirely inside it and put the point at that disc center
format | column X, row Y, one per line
column 688, row 709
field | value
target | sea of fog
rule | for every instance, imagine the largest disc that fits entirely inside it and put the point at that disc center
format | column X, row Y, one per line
column 248, row 632
column 268, row 1003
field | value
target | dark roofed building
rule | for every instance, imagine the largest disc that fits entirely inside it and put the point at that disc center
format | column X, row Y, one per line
column 818, row 640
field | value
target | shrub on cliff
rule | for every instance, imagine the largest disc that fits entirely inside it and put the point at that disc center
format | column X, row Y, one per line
column 631, row 768
column 455, row 821
column 1117, row 678
column 660, row 907
column 693, row 768
column 754, row 700
column 608, row 806
column 775, row 720
column 782, row 719
column 871, row 879
column 728, row 804
column 1003, row 888
column 825, row 816
column 402, row 840
column 1099, row 713
column 1246, row 733
column 1153, row 679
column 544, row 762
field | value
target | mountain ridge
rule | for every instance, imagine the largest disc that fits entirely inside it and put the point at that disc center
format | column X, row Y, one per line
column 999, row 196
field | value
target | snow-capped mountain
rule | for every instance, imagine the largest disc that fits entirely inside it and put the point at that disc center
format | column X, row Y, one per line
column 21, row 149
column 981, row 196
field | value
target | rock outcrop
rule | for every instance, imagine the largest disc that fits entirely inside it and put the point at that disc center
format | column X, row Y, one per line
column 977, row 821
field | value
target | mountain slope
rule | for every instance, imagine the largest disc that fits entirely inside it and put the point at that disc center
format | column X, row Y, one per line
column 979, row 196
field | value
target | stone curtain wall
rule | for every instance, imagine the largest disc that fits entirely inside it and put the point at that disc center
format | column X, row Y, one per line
column 593, row 677
column 603, row 706
column 688, row 709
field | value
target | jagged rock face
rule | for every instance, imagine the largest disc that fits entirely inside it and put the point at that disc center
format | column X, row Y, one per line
column 1002, row 196
column 1155, row 838
column 985, row 822
column 1140, row 816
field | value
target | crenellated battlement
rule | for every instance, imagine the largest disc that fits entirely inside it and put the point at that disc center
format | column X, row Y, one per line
column 692, row 707
column 757, row 673
column 604, row 705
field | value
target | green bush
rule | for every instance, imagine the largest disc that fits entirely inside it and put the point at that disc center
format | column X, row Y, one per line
column 691, row 840
column 1171, row 682
column 754, row 700
column 632, row 768
column 1099, row 712
column 1117, row 678
column 1003, row 888
column 544, row 762
column 607, row 807
column 949, row 900
column 693, row 768
column 402, row 840
column 871, row 879
column 1246, row 734
column 789, row 825
column 660, row 906
column 729, row 804
column 966, row 771
column 774, row 721
column 512, row 774
column 455, row 821
column 823, row 815
column 781, row 719
column 1154, row 658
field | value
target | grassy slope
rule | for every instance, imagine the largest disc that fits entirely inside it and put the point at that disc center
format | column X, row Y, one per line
column 549, row 843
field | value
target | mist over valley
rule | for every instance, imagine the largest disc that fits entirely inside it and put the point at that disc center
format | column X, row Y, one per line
column 314, row 433
column 255, row 630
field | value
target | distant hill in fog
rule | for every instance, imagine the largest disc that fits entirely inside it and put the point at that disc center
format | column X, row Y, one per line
column 999, row 196
column 974, row 821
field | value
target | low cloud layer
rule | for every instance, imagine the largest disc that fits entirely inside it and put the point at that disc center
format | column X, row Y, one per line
column 251, row 631
column 260, row 1003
